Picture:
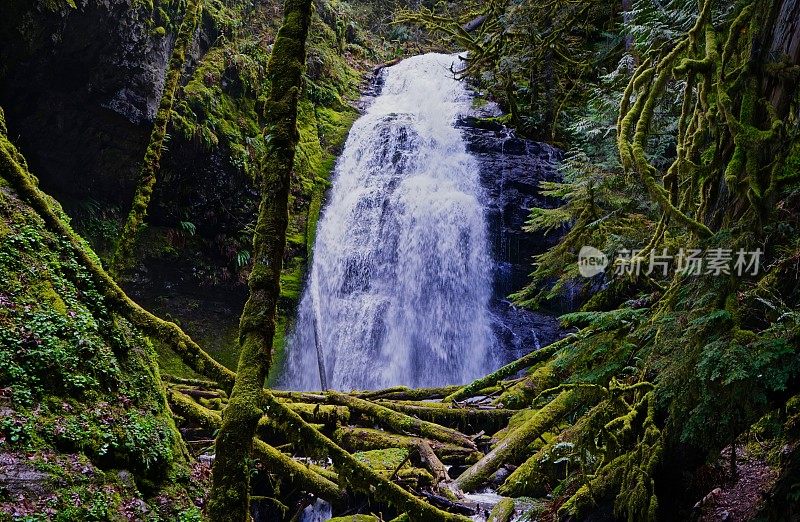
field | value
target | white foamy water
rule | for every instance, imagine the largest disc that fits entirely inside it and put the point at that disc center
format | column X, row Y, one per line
column 401, row 275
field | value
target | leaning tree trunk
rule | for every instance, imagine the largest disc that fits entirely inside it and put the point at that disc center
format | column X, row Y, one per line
column 230, row 492
column 121, row 259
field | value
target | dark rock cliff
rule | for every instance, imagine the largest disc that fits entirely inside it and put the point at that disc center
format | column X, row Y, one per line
column 511, row 169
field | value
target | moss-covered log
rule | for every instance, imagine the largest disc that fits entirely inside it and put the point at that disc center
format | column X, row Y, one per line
column 524, row 392
column 401, row 422
column 431, row 462
column 502, row 511
column 306, row 397
column 532, row 477
column 124, row 252
column 364, row 439
column 509, row 449
column 404, row 393
column 467, row 419
column 509, row 369
column 327, row 414
column 229, row 499
column 300, row 476
column 355, row 474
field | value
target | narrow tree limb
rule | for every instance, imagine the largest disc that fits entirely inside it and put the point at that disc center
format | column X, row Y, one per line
column 474, row 23
column 198, row 383
column 307, row 397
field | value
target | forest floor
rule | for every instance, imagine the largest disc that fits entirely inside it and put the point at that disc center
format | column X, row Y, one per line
column 740, row 497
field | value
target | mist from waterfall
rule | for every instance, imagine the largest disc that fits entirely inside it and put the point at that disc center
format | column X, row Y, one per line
column 400, row 281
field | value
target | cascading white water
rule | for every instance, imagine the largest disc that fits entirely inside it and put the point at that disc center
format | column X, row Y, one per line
column 401, row 276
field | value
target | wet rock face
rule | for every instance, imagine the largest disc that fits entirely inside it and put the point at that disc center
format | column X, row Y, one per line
column 511, row 169
column 81, row 87
column 80, row 90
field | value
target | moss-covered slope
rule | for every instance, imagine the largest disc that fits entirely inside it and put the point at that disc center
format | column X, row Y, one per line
column 82, row 408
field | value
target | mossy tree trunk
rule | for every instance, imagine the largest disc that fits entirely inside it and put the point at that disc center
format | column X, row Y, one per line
column 229, row 499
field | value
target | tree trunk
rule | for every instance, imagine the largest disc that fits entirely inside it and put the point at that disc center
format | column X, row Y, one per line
column 783, row 44
column 229, row 499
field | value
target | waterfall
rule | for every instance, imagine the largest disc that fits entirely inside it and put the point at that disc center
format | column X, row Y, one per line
column 400, row 281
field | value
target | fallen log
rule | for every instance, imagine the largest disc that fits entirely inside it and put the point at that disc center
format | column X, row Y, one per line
column 287, row 468
column 523, row 392
column 509, row 369
column 383, row 65
column 357, row 475
column 502, row 511
column 450, row 505
column 510, row 447
column 431, row 462
column 327, row 414
column 474, row 23
column 199, row 383
column 469, row 419
column 306, row 397
column 205, row 394
column 409, row 394
column 534, row 476
column 365, row 439
column 400, row 421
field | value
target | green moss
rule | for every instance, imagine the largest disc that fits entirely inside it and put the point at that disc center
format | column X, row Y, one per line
column 82, row 380
column 502, row 511
column 383, row 459
column 356, row 518
column 122, row 259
